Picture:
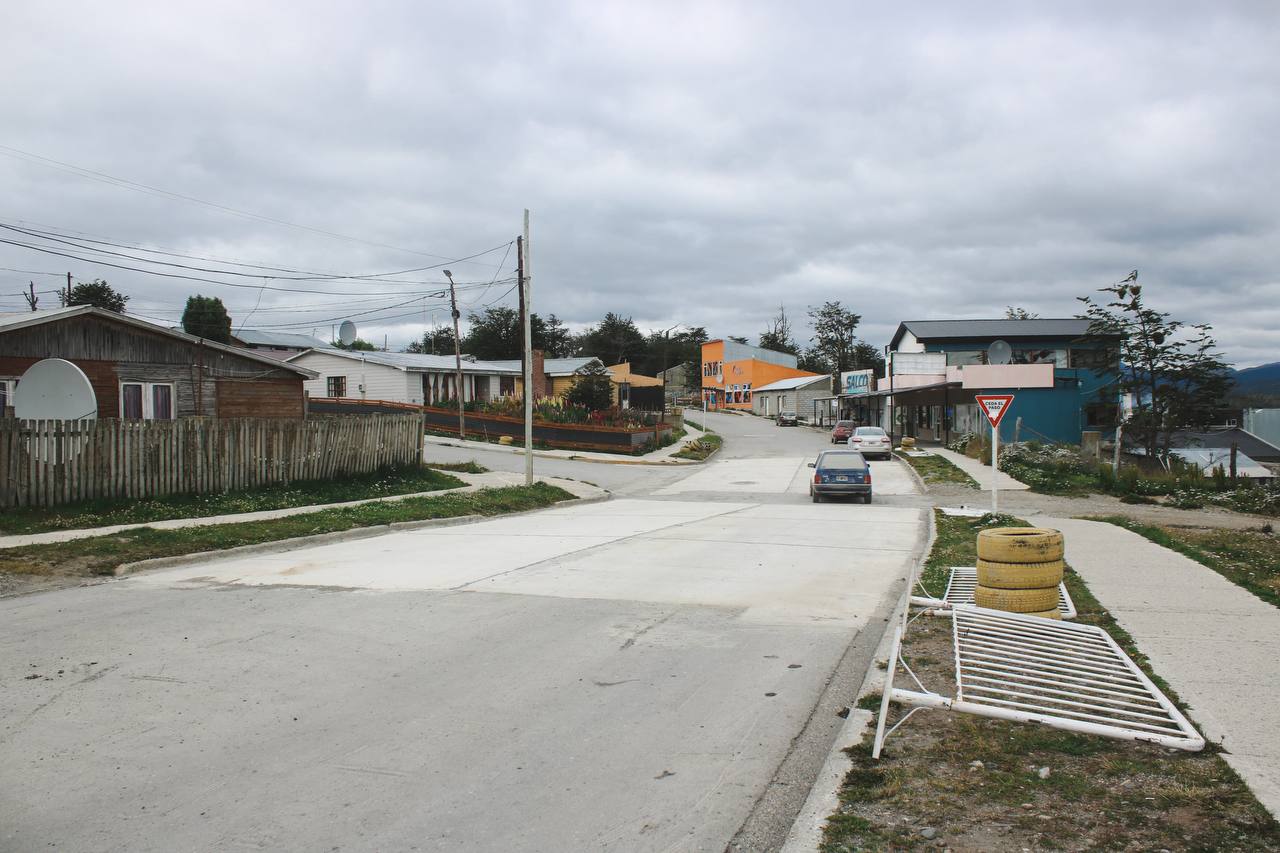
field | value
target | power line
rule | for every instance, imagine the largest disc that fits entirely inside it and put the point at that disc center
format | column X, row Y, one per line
column 303, row 276
column 125, row 183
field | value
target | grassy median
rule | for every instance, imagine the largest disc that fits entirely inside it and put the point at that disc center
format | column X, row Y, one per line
column 701, row 448
column 104, row 513
column 967, row 783
column 100, row 555
column 934, row 469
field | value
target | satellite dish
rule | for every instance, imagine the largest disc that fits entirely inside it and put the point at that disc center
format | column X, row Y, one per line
column 54, row 390
column 347, row 333
column 999, row 353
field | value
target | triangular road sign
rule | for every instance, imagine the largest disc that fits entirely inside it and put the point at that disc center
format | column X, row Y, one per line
column 994, row 406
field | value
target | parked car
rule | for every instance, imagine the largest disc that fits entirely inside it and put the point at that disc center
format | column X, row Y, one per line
column 788, row 419
column 842, row 432
column 840, row 472
column 872, row 440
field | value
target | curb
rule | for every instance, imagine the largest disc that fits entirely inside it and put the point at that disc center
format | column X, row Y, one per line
column 915, row 475
column 297, row 542
column 502, row 448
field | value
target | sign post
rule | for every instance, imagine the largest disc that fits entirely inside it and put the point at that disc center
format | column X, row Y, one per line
column 995, row 406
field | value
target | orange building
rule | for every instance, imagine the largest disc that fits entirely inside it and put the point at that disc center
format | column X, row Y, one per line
column 730, row 370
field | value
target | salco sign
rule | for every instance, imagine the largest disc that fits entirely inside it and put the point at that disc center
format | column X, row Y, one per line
column 854, row 382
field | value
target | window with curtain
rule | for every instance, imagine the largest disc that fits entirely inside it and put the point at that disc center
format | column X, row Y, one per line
column 131, row 400
column 162, row 402
column 337, row 386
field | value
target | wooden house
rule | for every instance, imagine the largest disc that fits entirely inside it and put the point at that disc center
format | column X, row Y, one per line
column 140, row 370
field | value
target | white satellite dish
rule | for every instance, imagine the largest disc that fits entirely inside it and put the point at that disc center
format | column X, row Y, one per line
column 54, row 390
column 999, row 353
column 347, row 333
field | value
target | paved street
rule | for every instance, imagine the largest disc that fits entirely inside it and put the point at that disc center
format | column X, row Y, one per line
column 657, row 672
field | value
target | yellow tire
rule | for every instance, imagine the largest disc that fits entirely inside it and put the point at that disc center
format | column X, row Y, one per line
column 1019, row 575
column 1017, row 600
column 1020, row 545
column 1047, row 614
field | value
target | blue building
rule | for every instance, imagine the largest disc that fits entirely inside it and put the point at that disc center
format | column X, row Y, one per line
column 1064, row 380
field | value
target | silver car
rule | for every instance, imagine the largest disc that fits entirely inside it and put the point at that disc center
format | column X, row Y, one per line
column 872, row 441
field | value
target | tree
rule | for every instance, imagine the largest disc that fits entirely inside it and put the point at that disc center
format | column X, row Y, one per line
column 593, row 389
column 206, row 317
column 738, row 339
column 777, row 336
column 1012, row 312
column 551, row 336
column 868, row 357
column 97, row 293
column 437, row 341
column 358, row 345
column 495, row 334
column 814, row 361
column 1170, row 368
column 614, row 340
column 834, row 329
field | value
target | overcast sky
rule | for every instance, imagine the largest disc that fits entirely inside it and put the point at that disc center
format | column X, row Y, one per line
column 684, row 163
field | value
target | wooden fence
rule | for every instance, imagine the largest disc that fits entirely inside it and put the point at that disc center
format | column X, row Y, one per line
column 44, row 463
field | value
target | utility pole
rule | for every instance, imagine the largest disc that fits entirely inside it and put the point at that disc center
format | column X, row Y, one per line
column 68, row 302
column 457, row 354
column 31, row 298
column 526, row 297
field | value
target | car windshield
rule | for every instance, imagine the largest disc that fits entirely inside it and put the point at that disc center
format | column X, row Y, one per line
column 841, row 461
column 872, row 431
column 788, row 414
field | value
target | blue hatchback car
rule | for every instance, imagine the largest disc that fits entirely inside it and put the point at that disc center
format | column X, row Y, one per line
column 840, row 472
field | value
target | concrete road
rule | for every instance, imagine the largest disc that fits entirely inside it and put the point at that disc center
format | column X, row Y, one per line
column 651, row 673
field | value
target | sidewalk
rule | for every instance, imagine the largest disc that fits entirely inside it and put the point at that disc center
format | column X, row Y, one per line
column 661, row 456
column 1216, row 645
column 978, row 471
column 475, row 482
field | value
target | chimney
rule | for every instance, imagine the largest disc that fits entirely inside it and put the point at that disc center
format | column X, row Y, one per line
column 539, row 376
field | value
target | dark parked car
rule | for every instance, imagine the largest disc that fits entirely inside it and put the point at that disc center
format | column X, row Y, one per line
column 840, row 472
column 788, row 419
column 842, row 431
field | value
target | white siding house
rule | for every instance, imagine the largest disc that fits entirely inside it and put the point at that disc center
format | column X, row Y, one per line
column 400, row 377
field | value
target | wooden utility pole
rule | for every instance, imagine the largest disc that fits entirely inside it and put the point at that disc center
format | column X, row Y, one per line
column 526, row 295
column 457, row 354
column 68, row 302
column 31, row 298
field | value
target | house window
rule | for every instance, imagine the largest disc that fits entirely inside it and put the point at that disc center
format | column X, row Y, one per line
column 336, row 386
column 151, row 401
column 7, row 387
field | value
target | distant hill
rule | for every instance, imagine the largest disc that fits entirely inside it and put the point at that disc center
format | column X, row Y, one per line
column 1263, row 380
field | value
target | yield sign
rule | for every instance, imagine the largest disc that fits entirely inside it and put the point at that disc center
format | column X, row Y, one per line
column 994, row 405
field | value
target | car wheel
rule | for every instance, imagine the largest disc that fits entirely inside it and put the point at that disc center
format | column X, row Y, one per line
column 817, row 498
column 866, row 499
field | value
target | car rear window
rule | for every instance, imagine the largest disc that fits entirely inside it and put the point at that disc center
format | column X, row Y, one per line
column 841, row 460
column 868, row 431
column 845, row 424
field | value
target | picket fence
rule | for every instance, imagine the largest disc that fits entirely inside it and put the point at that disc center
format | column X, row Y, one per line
column 45, row 463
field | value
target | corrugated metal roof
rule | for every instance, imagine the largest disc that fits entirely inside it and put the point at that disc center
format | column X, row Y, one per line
column 1208, row 458
column 553, row 366
column 412, row 361
column 792, row 383
column 932, row 330
column 261, row 338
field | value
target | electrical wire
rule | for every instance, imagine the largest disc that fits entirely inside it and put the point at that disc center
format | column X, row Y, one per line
column 124, row 183
column 303, row 277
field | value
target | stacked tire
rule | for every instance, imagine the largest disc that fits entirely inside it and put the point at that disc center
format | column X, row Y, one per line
column 1019, row 569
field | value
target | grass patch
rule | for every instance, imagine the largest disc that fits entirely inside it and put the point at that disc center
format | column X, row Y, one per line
column 699, row 427
column 468, row 467
column 968, row 783
column 1248, row 558
column 100, row 555
column 702, row 448
column 381, row 484
column 935, row 469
